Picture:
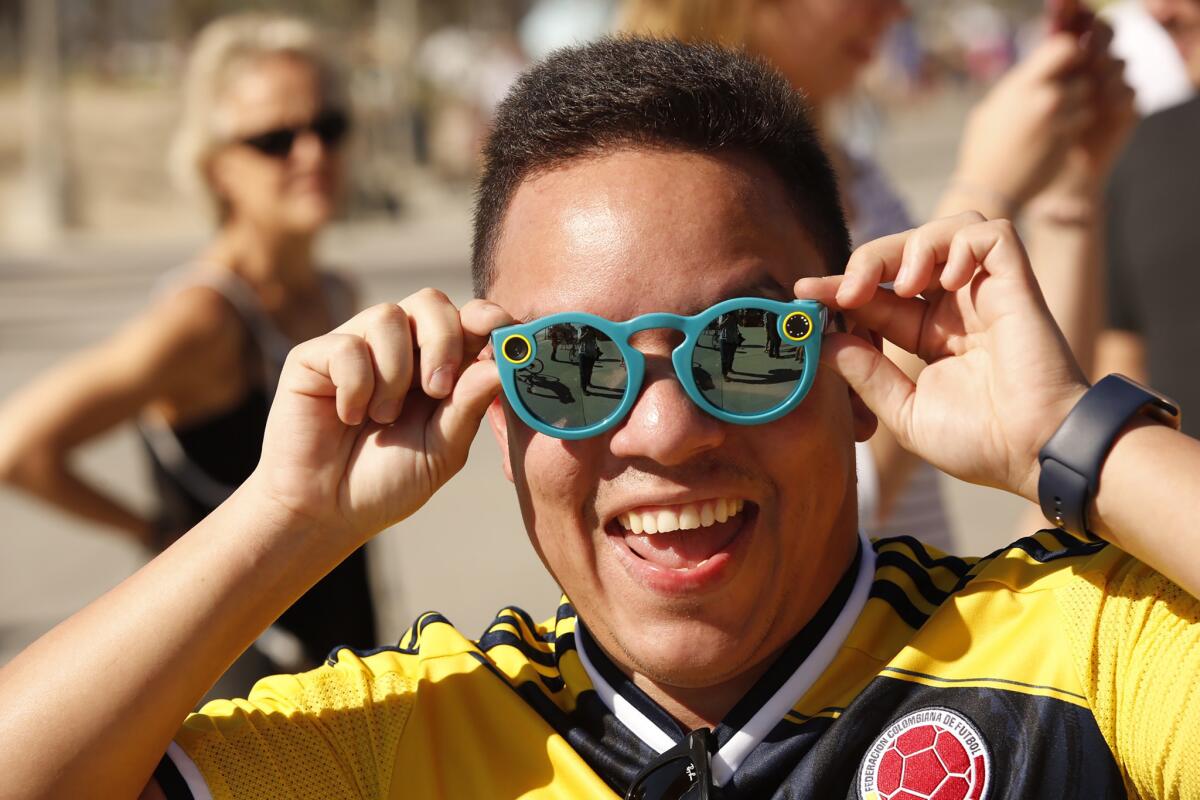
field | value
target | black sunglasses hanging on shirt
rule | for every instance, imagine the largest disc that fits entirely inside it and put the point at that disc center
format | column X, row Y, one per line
column 681, row 773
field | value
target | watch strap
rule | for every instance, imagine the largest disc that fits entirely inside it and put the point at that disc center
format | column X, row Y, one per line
column 1072, row 458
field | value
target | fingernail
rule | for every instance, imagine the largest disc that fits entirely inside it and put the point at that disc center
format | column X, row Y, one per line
column 385, row 412
column 441, row 381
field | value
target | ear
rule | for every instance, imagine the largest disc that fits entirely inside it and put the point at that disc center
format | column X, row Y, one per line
column 498, row 422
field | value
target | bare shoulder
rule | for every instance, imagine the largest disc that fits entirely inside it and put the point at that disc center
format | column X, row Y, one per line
column 197, row 318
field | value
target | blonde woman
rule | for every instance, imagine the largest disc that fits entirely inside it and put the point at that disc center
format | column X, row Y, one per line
column 1041, row 143
column 262, row 137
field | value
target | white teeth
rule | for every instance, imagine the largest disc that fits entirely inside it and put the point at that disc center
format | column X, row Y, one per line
column 689, row 516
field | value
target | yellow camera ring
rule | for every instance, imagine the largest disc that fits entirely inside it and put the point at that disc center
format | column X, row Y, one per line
column 797, row 326
column 517, row 349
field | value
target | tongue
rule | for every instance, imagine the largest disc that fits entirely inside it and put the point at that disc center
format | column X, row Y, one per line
column 682, row 549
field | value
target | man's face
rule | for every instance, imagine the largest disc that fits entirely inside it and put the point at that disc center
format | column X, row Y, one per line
column 1181, row 18
column 639, row 231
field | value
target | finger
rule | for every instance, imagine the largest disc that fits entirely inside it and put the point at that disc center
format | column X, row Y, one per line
column 336, row 364
column 993, row 246
column 883, row 386
column 1100, row 36
column 438, row 336
column 1058, row 54
column 883, row 259
column 479, row 319
column 385, row 329
column 452, row 427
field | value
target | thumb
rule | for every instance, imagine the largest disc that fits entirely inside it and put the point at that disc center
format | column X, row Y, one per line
column 882, row 385
column 453, row 425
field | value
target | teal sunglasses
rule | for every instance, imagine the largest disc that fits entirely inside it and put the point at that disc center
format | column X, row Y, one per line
column 748, row 361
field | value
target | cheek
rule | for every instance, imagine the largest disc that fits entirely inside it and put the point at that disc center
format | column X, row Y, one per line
column 816, row 469
column 553, row 486
column 251, row 183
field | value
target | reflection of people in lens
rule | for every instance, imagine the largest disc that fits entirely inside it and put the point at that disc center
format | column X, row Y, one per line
column 771, row 323
column 555, row 341
column 589, row 352
column 728, row 337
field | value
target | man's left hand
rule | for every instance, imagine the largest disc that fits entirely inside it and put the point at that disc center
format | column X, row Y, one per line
column 964, row 299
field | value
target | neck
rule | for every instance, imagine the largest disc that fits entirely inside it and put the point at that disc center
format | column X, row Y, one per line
column 706, row 706
column 266, row 258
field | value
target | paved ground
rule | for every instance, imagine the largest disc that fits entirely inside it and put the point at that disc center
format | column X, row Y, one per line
column 464, row 554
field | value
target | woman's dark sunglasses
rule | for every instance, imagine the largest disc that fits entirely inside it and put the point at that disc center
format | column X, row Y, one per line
column 681, row 773
column 329, row 127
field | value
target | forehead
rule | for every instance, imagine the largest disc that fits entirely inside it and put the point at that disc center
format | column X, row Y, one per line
column 270, row 90
column 635, row 231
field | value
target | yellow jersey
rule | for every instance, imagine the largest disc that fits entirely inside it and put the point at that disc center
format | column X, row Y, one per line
column 1052, row 668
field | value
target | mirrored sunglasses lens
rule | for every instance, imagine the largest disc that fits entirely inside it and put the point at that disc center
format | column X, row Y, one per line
column 743, row 365
column 577, row 378
column 675, row 780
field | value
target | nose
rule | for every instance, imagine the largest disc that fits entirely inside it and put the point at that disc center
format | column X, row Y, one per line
column 664, row 424
column 308, row 148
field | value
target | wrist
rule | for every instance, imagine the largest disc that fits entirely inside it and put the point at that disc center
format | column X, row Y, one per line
column 1072, row 460
column 278, row 520
column 1055, row 413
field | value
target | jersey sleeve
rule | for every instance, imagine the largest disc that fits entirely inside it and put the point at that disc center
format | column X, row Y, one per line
column 329, row 733
column 1136, row 638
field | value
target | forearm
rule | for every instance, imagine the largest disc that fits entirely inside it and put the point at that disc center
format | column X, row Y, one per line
column 969, row 194
column 1149, row 501
column 95, row 702
column 1066, row 251
column 55, row 483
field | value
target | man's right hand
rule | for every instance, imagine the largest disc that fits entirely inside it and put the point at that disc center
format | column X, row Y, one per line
column 372, row 418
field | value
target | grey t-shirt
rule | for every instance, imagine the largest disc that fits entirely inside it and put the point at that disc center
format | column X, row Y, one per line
column 1154, row 251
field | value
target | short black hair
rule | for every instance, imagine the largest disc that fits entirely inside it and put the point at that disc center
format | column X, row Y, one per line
column 623, row 92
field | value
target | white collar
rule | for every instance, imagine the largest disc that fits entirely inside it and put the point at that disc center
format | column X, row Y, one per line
column 726, row 760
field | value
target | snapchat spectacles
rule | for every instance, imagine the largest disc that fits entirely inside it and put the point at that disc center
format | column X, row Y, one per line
column 747, row 361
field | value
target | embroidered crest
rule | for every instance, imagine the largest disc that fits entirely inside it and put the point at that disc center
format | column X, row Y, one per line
column 930, row 754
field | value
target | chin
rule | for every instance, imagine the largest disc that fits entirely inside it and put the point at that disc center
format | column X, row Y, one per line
column 310, row 217
column 688, row 653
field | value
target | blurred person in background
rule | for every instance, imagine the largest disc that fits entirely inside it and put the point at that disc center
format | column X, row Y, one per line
column 262, row 135
column 1153, row 65
column 1154, row 199
column 1041, row 142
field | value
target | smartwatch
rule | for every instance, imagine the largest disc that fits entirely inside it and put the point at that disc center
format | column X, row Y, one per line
column 1073, row 457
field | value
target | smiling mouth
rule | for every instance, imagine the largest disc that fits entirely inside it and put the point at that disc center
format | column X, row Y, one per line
column 684, row 536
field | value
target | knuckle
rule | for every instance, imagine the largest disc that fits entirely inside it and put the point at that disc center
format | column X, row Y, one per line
column 387, row 313
column 431, row 294
column 1004, row 228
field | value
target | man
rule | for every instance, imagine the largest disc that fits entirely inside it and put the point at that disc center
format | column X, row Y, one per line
column 1153, row 237
column 727, row 633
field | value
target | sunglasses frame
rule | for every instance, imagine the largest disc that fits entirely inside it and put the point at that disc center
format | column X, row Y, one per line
column 681, row 358
column 694, row 749
column 257, row 141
